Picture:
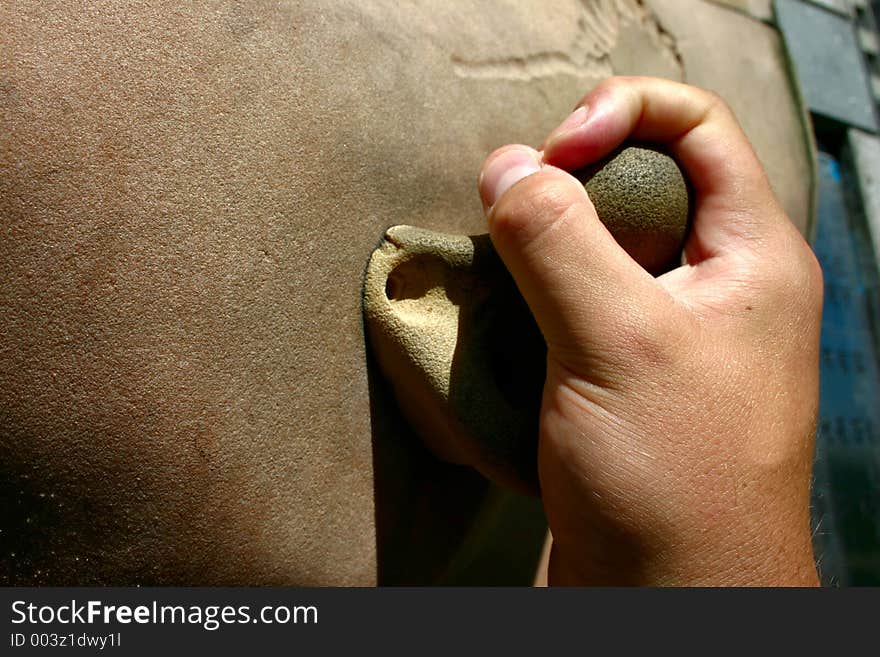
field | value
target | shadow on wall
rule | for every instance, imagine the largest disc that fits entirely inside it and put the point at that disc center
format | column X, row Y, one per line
column 438, row 523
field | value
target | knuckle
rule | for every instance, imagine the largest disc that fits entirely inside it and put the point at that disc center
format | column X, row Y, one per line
column 792, row 274
column 714, row 100
column 799, row 269
column 810, row 278
column 816, row 278
column 714, row 106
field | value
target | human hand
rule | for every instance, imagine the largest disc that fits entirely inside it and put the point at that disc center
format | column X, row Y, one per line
column 678, row 413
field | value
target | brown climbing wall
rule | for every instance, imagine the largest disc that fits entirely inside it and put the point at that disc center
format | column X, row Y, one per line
column 189, row 193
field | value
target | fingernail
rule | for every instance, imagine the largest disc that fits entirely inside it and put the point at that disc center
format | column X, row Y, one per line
column 575, row 120
column 505, row 171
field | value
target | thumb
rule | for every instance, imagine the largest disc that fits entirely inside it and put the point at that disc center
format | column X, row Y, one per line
column 586, row 293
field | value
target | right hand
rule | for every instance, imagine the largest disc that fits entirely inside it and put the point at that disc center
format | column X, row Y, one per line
column 678, row 414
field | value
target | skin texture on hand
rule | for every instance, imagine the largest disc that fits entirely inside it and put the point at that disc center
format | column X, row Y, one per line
column 677, row 423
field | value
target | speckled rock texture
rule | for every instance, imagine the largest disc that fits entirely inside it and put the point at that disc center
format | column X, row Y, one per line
column 641, row 195
column 189, row 193
column 456, row 341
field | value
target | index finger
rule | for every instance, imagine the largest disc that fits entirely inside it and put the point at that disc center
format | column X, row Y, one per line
column 692, row 125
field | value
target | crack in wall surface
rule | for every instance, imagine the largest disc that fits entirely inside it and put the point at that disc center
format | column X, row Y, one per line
column 663, row 37
column 589, row 52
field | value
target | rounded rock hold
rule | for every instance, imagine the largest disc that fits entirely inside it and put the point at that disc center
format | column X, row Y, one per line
column 641, row 195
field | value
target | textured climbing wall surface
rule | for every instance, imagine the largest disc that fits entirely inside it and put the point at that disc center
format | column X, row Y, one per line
column 189, row 193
